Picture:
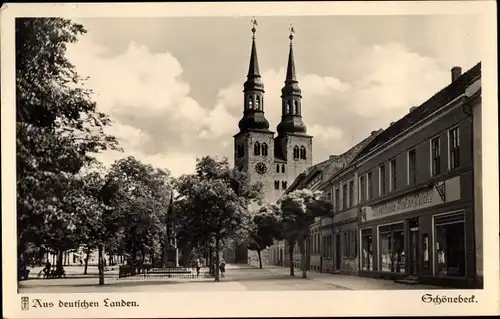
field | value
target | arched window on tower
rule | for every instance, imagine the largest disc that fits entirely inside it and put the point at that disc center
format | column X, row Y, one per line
column 296, row 152
column 257, row 103
column 264, row 149
column 277, row 168
column 296, row 109
column 289, row 104
column 282, row 168
column 303, row 153
column 276, row 185
column 256, row 148
column 250, row 102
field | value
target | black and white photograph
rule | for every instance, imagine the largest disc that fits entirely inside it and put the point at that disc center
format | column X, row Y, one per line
column 247, row 151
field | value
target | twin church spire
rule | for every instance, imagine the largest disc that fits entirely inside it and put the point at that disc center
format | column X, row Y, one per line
column 253, row 114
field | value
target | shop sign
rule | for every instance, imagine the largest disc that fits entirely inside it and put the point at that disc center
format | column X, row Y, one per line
column 420, row 200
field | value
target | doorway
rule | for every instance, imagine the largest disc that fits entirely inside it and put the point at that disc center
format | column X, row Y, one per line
column 413, row 259
column 338, row 252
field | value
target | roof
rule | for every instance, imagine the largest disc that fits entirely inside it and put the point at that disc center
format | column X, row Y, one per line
column 332, row 165
column 438, row 100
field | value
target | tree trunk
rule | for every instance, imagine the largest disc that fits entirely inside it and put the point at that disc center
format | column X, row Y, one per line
column 100, row 265
column 86, row 262
column 290, row 257
column 210, row 260
column 303, row 263
column 260, row 259
column 217, row 274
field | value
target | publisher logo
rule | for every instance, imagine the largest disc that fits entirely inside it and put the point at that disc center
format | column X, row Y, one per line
column 25, row 303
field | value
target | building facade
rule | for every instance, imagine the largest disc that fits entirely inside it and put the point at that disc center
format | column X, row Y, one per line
column 417, row 211
column 273, row 161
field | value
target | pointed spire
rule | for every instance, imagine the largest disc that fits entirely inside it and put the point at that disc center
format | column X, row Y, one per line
column 253, row 69
column 290, row 71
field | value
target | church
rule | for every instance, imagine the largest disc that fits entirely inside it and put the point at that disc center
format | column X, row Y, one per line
column 274, row 159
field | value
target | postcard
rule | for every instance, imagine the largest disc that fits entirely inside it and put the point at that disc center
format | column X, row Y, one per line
column 249, row 159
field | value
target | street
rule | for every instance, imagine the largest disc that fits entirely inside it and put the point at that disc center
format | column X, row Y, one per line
column 238, row 278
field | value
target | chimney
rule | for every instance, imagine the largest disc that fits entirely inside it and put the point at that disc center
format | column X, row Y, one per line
column 456, row 72
column 413, row 108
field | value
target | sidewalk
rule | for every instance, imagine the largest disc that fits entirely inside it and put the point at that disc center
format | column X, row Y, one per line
column 350, row 282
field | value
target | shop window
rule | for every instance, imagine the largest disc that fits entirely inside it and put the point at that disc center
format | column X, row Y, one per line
column 425, row 248
column 391, row 243
column 450, row 245
column 366, row 250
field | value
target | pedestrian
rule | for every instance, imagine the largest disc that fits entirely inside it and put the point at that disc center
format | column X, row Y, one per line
column 222, row 268
column 198, row 267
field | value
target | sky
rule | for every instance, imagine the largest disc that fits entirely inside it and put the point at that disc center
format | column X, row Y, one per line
column 173, row 86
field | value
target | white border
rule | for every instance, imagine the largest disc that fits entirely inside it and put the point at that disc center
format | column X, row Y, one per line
column 312, row 303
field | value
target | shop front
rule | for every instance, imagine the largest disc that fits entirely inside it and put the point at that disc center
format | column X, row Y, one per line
column 418, row 238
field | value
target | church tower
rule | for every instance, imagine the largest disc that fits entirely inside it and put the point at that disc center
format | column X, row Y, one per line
column 292, row 144
column 254, row 143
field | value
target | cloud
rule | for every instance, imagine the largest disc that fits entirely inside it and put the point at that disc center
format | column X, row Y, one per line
column 157, row 119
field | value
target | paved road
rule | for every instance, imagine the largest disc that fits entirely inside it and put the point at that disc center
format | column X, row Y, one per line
column 238, row 278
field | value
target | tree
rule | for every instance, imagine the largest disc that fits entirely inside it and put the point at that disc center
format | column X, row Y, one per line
column 299, row 210
column 58, row 129
column 138, row 196
column 264, row 229
column 213, row 204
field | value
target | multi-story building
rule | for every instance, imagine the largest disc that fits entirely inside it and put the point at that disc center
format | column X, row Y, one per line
column 319, row 177
column 419, row 216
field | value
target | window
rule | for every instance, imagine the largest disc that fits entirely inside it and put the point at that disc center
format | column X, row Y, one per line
column 337, row 199
column 351, row 193
column 250, row 102
column 282, row 168
column 283, row 185
column 454, row 147
column 296, row 152
column 296, row 111
column 344, row 196
column 276, row 185
column 302, row 152
column 425, row 245
column 240, row 151
column 435, row 156
column 369, row 181
column 392, row 171
column 450, row 245
column 412, row 167
column 362, row 188
column 289, row 103
column 257, row 102
column 264, row 149
column 346, row 244
column 366, row 250
column 382, row 179
column 277, row 168
column 256, row 148
column 391, row 243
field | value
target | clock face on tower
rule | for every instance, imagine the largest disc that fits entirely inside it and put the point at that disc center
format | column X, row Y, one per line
column 261, row 168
